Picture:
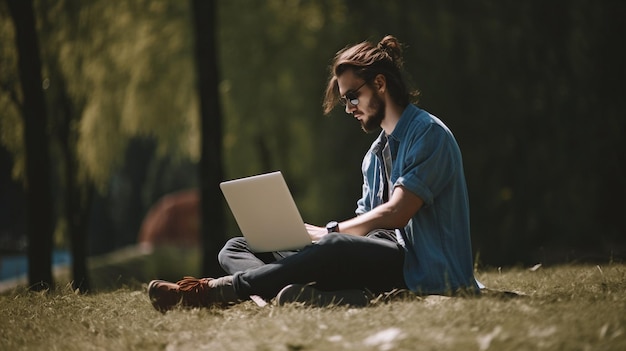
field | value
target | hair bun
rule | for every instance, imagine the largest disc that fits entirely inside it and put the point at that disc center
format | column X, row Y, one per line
column 391, row 46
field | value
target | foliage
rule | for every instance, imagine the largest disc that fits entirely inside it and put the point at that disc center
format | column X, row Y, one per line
column 564, row 307
column 533, row 92
column 117, row 59
column 120, row 63
column 11, row 124
column 274, row 76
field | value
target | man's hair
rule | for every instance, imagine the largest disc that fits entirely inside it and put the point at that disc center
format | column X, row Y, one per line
column 367, row 61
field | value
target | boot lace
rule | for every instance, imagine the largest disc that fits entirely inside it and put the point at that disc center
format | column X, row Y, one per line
column 195, row 291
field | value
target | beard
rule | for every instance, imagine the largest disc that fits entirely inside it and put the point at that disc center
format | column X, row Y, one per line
column 372, row 124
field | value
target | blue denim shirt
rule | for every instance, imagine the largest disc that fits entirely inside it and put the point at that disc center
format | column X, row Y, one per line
column 427, row 161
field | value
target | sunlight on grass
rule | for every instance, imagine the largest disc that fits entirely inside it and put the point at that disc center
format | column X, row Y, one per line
column 566, row 307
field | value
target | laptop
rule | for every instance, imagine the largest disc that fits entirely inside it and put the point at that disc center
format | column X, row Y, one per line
column 266, row 212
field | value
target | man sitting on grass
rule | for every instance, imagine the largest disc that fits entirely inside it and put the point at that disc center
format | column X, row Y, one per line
column 412, row 225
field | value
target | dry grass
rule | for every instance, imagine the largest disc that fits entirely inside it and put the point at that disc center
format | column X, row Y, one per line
column 565, row 308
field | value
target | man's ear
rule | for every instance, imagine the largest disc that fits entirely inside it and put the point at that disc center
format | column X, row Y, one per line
column 381, row 83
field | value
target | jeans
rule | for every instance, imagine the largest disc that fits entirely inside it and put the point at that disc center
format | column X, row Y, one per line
column 336, row 262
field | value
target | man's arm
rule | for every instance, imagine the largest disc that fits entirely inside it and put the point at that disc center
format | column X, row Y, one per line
column 393, row 214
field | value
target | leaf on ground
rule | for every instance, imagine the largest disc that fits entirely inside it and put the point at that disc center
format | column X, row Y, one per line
column 384, row 339
column 484, row 341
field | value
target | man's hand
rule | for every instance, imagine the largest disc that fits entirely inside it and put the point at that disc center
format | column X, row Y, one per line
column 316, row 232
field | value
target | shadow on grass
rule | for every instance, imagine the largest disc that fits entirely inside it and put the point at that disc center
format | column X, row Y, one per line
column 129, row 267
column 134, row 266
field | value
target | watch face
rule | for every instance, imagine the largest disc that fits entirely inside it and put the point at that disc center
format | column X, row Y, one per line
column 332, row 226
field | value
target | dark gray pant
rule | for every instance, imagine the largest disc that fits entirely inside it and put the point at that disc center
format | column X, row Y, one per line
column 338, row 261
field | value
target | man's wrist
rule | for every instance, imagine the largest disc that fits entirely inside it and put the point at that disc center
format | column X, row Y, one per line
column 332, row 227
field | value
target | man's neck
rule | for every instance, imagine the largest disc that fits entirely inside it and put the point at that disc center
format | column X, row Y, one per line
column 392, row 116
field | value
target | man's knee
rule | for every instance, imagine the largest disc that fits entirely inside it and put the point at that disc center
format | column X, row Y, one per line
column 334, row 242
column 236, row 244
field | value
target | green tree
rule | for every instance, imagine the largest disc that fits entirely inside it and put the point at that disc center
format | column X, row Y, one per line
column 114, row 72
column 533, row 91
column 274, row 65
column 66, row 113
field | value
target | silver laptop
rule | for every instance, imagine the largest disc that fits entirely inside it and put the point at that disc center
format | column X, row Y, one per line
column 266, row 212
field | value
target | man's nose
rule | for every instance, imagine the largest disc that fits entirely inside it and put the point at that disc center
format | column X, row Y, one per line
column 350, row 108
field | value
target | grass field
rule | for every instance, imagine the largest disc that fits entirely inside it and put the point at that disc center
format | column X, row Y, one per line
column 569, row 307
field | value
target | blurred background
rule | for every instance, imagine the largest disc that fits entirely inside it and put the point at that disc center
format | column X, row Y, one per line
column 534, row 91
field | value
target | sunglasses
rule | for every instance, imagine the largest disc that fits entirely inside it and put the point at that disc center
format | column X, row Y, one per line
column 351, row 97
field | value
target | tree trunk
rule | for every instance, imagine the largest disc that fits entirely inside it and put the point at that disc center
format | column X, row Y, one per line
column 38, row 197
column 66, row 113
column 211, row 209
column 77, row 196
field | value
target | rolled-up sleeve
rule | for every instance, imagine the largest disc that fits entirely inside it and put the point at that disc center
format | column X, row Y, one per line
column 428, row 164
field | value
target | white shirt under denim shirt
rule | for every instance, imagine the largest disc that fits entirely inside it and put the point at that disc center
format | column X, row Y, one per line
column 426, row 160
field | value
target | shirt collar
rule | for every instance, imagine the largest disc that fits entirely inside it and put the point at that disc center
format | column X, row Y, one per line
column 379, row 144
column 399, row 132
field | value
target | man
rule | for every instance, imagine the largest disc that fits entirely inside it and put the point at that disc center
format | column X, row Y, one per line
column 412, row 224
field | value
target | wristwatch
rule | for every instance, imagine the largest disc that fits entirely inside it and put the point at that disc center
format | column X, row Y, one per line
column 332, row 227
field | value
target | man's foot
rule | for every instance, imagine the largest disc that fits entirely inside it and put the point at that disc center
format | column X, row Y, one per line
column 309, row 296
column 192, row 292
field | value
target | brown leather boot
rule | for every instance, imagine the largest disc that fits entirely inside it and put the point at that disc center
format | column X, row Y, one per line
column 192, row 292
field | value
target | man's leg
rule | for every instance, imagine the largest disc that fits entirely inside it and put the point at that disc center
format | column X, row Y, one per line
column 337, row 262
column 236, row 256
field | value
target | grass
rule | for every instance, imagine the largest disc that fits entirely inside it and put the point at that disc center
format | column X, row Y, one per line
column 569, row 307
